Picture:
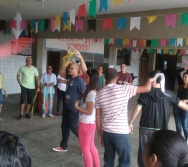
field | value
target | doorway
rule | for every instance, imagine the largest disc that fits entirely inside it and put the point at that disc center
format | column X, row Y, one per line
column 167, row 64
column 53, row 59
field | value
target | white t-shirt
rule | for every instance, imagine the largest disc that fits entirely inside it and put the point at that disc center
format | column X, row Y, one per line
column 61, row 86
column 88, row 119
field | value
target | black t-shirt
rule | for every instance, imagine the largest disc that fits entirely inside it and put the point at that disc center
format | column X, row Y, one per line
column 156, row 108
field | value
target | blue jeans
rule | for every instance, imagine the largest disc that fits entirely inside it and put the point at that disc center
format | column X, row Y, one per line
column 181, row 120
column 116, row 142
column 48, row 97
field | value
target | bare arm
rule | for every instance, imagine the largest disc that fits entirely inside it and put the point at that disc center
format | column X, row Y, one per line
column 82, row 62
column 88, row 110
column 3, row 88
column 38, row 83
column 183, row 105
column 18, row 79
column 61, row 81
column 99, row 125
column 134, row 115
column 146, row 87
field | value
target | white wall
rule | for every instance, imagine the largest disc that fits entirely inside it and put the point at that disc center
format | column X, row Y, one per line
column 9, row 67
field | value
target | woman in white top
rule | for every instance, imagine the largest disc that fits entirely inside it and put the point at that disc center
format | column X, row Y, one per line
column 87, row 126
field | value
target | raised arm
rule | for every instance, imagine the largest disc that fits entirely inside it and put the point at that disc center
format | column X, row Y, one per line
column 146, row 87
column 82, row 62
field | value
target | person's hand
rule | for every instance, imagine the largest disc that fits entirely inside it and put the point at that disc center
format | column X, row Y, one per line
column 131, row 128
column 101, row 140
column 46, row 84
column 6, row 95
column 52, row 84
column 76, row 103
column 78, row 54
column 119, row 82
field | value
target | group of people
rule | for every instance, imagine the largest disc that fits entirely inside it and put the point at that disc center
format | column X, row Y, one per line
column 101, row 102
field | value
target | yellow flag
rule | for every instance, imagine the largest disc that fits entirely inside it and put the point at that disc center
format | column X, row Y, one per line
column 120, row 2
column 66, row 59
column 165, row 51
column 175, row 51
column 57, row 20
column 186, row 41
column 151, row 19
column 125, row 42
column 67, row 26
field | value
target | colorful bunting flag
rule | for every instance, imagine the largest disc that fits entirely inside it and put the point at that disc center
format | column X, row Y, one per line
column 107, row 23
column 119, row 2
column 91, row 25
column 111, row 41
column 134, row 42
column 103, row 5
column 122, row 23
column 106, row 41
column 42, row 25
column 179, row 42
column 65, row 18
column 135, row 22
column 142, row 43
column 92, row 8
column 125, row 42
column 165, row 51
column 58, row 22
column 72, row 16
column 80, row 25
column 154, row 43
column 151, row 51
column 186, row 41
column 183, row 52
column 119, row 42
column 151, row 19
column 33, row 24
column 67, row 26
column 171, row 20
column 171, row 51
column 36, row 28
column 184, row 18
column 172, row 42
column 175, row 51
column 163, row 42
column 13, row 24
column 82, row 11
column 23, row 25
column 52, row 23
column 158, row 51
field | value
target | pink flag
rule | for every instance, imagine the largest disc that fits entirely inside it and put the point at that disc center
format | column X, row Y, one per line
column 23, row 25
column 171, row 20
column 80, row 25
column 163, row 42
column 183, row 52
column 52, row 23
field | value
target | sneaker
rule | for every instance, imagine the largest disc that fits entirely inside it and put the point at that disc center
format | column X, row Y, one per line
column 43, row 115
column 27, row 116
column 59, row 149
column 50, row 115
column 20, row 117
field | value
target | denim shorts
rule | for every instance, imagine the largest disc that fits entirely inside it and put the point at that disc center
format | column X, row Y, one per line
column 1, row 96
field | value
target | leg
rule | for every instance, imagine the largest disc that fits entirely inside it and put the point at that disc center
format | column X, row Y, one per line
column 50, row 103
column 177, row 117
column 74, row 121
column 93, row 149
column 65, row 129
column 144, row 135
column 109, row 150
column 23, row 99
column 123, row 148
column 184, row 117
column 44, row 96
column 1, row 100
column 59, row 100
column 84, row 140
column 30, row 97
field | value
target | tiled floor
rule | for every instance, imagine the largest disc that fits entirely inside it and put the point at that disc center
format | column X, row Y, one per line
column 40, row 135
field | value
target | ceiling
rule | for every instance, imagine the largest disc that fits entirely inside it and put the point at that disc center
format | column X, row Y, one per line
column 32, row 9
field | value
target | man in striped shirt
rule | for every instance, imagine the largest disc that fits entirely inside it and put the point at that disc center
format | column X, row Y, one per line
column 112, row 118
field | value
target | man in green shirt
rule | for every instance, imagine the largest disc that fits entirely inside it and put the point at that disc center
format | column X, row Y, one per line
column 26, row 78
